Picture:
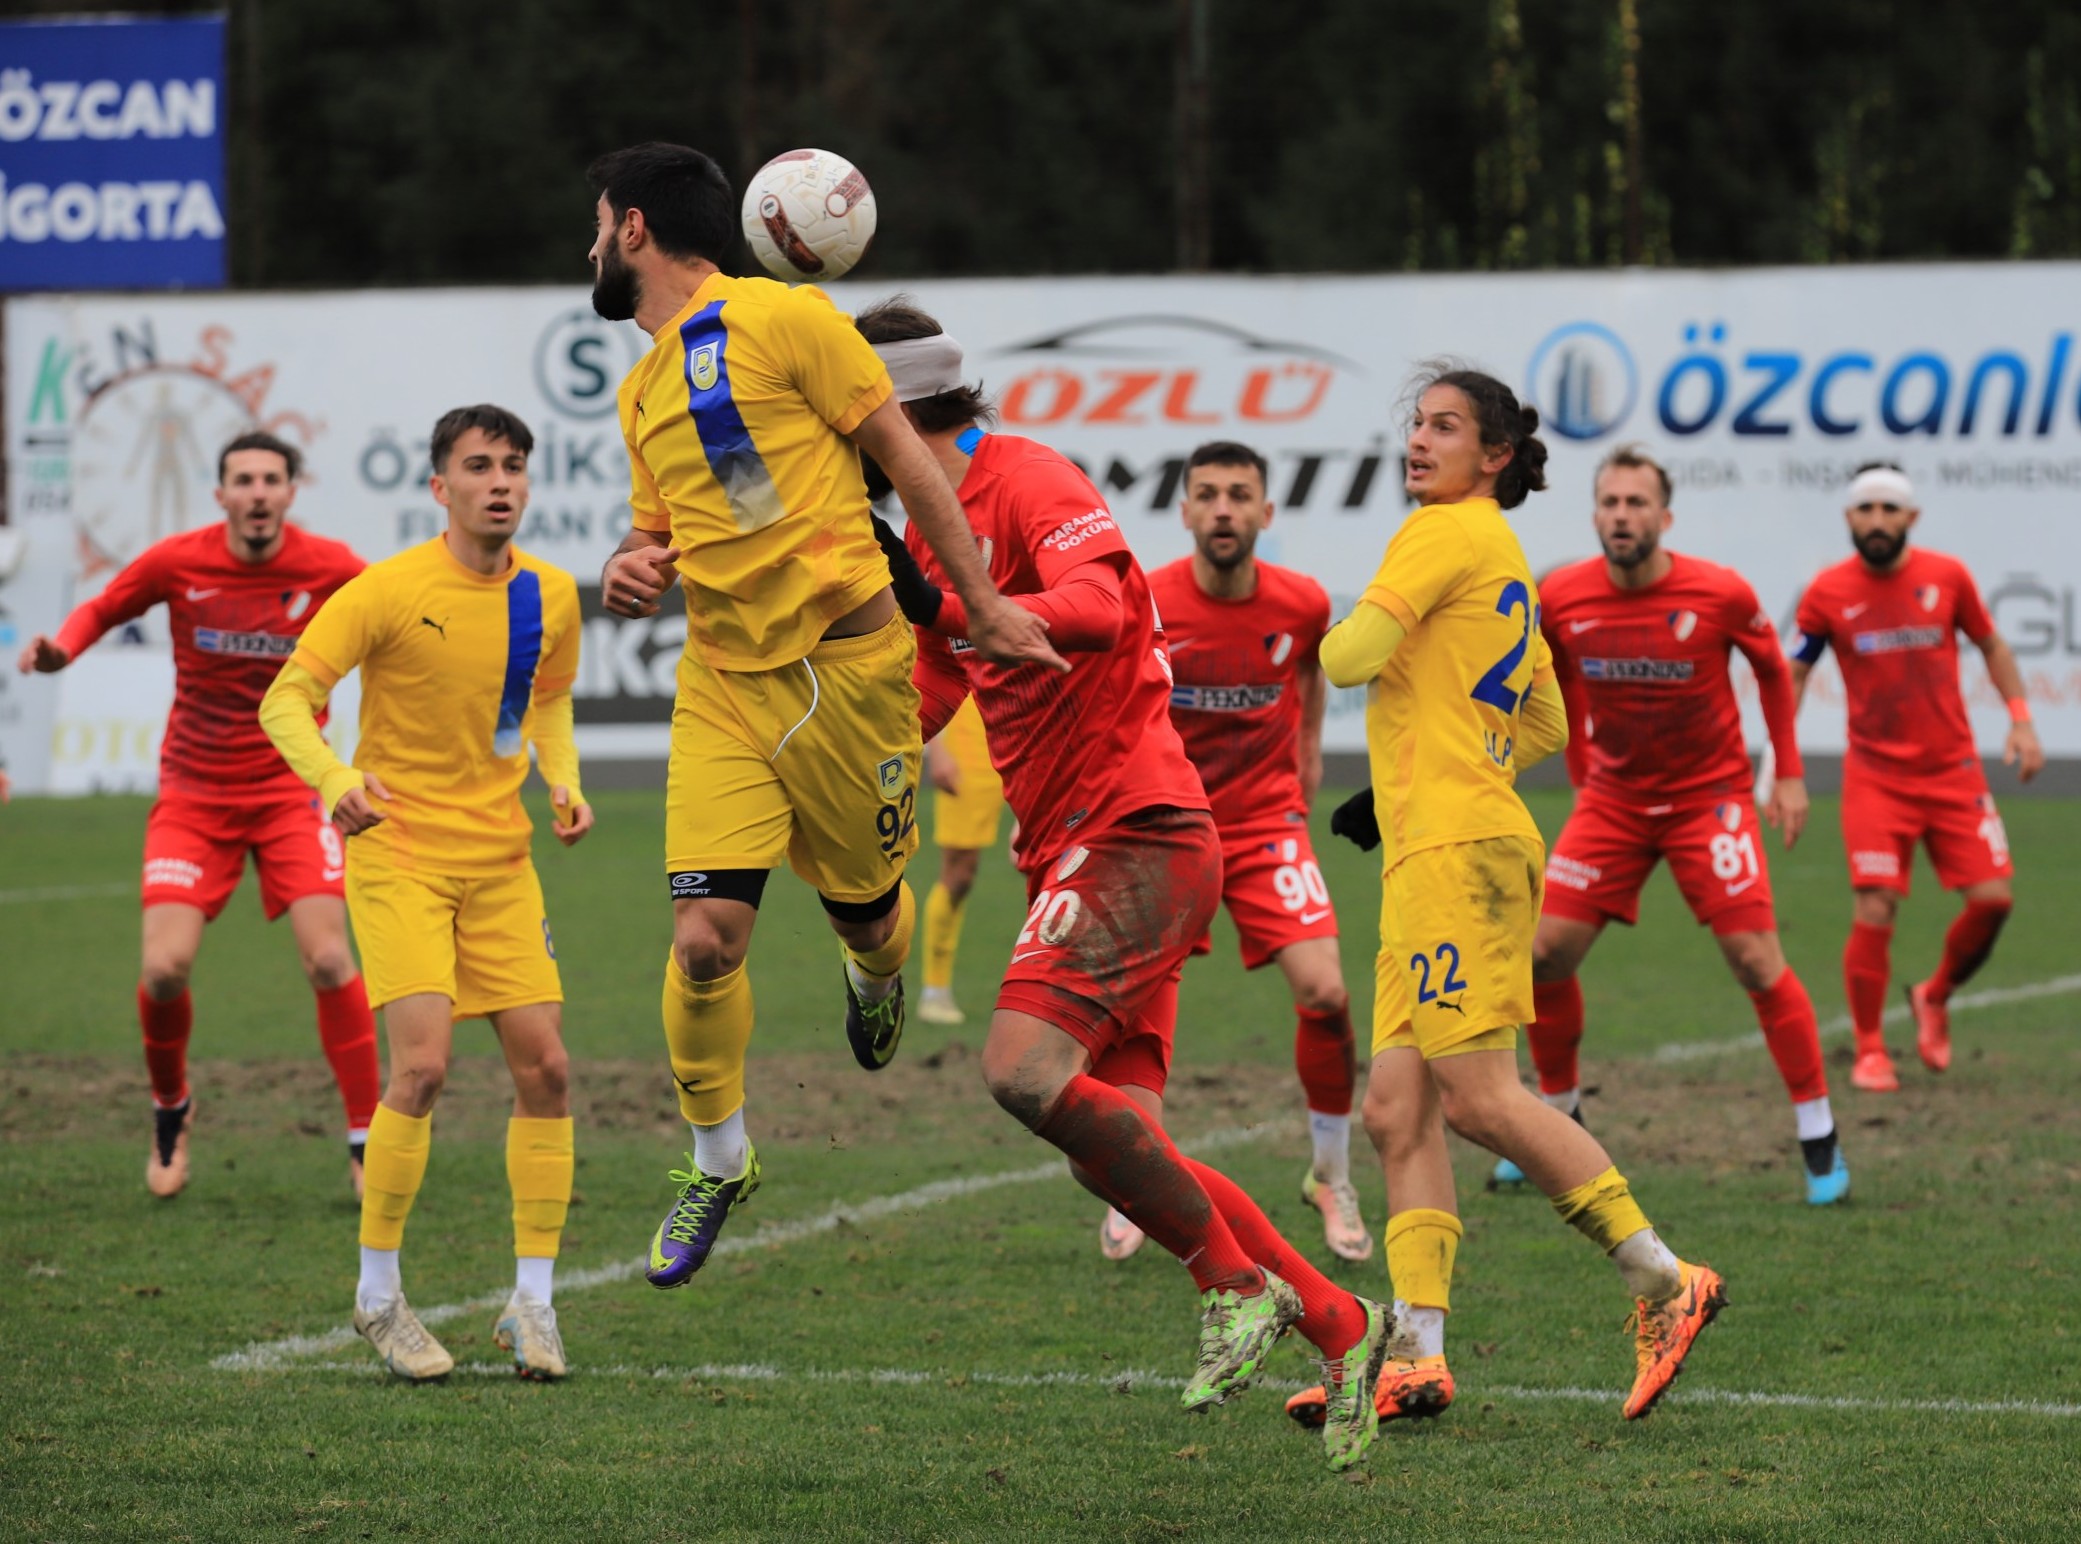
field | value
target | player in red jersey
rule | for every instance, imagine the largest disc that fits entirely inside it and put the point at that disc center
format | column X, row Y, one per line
column 1247, row 700
column 1912, row 774
column 238, row 596
column 1123, row 870
column 1642, row 639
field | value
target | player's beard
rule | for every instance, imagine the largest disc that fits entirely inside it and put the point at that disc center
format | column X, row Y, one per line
column 1235, row 557
column 614, row 288
column 1879, row 548
column 1645, row 545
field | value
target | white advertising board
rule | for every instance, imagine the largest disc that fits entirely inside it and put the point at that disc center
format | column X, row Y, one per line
column 1760, row 389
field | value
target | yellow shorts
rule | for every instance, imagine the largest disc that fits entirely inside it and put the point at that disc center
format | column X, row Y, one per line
column 968, row 818
column 482, row 943
column 1455, row 961
column 815, row 762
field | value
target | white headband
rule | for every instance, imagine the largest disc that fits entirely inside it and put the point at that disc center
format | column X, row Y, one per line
column 922, row 367
column 1881, row 485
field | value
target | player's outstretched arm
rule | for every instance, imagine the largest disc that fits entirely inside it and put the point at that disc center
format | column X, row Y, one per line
column 289, row 715
column 636, row 577
column 556, row 755
column 2021, row 748
column 128, row 596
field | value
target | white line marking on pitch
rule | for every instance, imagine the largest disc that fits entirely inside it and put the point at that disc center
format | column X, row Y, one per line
column 1965, row 1002
column 267, row 1354
column 1128, row 1380
column 67, row 893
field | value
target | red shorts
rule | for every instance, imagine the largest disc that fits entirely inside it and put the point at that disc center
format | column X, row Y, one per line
column 1110, row 926
column 1884, row 816
column 195, row 853
column 1607, row 849
column 1273, row 890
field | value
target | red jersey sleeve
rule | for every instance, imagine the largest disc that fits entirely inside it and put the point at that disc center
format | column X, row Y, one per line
column 137, row 589
column 1810, row 618
column 1079, row 554
column 1318, row 625
column 941, row 682
column 1973, row 619
column 1749, row 625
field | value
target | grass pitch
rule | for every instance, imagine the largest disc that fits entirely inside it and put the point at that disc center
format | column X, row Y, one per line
column 960, row 1363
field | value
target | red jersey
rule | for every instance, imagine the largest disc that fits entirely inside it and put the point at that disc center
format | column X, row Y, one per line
column 1895, row 639
column 1077, row 752
column 1645, row 675
column 233, row 626
column 1235, row 697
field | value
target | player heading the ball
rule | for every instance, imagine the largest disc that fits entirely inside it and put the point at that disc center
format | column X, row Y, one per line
column 467, row 648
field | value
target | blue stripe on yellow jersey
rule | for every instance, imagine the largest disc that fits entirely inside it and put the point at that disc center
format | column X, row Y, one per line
column 523, row 650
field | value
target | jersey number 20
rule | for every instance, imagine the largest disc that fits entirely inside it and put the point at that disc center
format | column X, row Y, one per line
column 1493, row 688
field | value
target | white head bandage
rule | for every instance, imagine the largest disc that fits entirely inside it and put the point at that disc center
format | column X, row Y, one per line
column 1881, row 485
column 922, row 367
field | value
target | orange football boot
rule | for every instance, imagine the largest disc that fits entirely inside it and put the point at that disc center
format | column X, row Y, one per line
column 1664, row 1334
column 166, row 1168
column 1873, row 1072
column 1407, row 1389
column 1932, row 1029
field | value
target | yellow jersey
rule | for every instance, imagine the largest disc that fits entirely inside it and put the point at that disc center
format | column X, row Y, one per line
column 451, row 664
column 1442, row 717
column 736, row 422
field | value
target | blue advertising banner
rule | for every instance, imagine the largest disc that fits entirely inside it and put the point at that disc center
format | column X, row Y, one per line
column 112, row 153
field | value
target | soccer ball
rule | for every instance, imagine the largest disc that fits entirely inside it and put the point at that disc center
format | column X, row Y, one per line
column 808, row 214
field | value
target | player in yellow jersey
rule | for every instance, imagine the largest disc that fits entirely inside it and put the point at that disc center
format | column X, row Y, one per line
column 1461, row 692
column 795, row 732
column 467, row 648
column 967, row 805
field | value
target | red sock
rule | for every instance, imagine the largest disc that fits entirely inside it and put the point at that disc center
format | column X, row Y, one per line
column 347, row 1030
column 166, row 1026
column 1966, row 947
column 1131, row 1159
column 1793, row 1035
column 1555, row 1033
column 1867, row 966
column 1331, row 1317
column 1322, row 1047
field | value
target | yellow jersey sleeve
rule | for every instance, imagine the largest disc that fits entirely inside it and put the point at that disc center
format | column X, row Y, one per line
column 647, row 511
column 1542, row 654
column 348, row 628
column 836, row 369
column 1430, row 559
column 559, row 666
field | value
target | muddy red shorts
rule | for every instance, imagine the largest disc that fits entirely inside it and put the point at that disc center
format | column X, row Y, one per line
column 1110, row 925
column 1607, row 849
column 1273, row 890
column 1885, row 815
column 195, row 853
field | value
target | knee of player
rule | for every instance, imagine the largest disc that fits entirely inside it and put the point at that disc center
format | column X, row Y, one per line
column 1550, row 965
column 704, row 953
column 1756, row 961
column 164, row 977
column 329, row 968
column 414, row 1086
column 548, row 1079
column 1470, row 1112
column 1876, row 908
column 957, row 870
column 1321, row 994
column 1015, row 1089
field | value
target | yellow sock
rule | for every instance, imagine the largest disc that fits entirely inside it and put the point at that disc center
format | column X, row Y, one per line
column 1602, row 1210
column 392, row 1167
column 539, row 1164
column 943, row 918
column 707, row 1028
column 1421, row 1247
column 889, row 958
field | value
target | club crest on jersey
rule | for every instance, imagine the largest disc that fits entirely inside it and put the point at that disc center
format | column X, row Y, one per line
column 701, row 366
column 890, row 774
column 295, row 603
column 1683, row 624
column 1279, row 646
column 1071, row 862
column 1928, row 595
column 1728, row 815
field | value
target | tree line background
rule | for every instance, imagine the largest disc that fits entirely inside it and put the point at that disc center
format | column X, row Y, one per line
column 408, row 142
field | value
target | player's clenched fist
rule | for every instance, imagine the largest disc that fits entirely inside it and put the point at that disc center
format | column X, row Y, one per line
column 633, row 582
column 356, row 810
column 572, row 820
column 43, row 657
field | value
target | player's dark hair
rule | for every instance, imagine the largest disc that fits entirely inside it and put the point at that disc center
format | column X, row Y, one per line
column 1877, row 466
column 260, row 439
column 899, row 318
column 1502, row 419
column 496, row 422
column 1635, row 458
column 687, row 204
column 1230, row 453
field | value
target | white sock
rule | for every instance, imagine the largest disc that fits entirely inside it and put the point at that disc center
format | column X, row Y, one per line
column 1647, row 1267
column 720, row 1150
column 867, row 986
column 380, row 1282
column 534, row 1276
column 1332, row 1137
column 1568, row 1101
column 1814, row 1118
column 1423, row 1330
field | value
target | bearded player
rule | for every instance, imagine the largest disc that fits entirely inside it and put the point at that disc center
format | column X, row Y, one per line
column 1123, row 868
column 794, row 727
column 237, row 595
column 1247, row 700
column 1461, row 692
column 1641, row 640
column 1892, row 614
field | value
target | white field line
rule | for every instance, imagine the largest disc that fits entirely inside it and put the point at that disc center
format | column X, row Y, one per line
column 263, row 1355
column 1128, row 1380
column 1965, row 1002
column 67, row 893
